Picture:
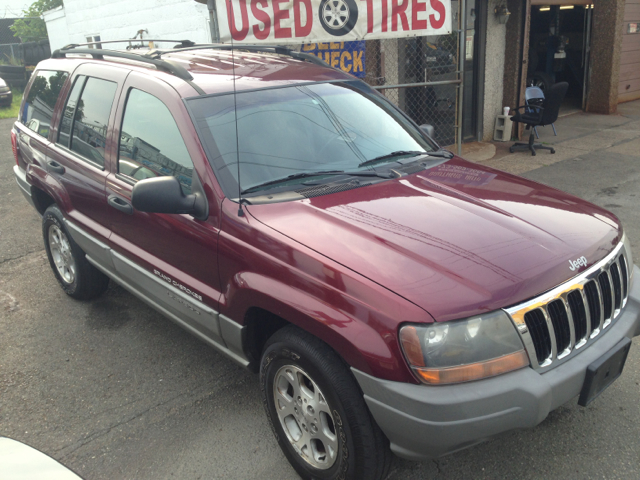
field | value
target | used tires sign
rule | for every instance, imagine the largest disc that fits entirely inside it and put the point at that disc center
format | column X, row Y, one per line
column 304, row 21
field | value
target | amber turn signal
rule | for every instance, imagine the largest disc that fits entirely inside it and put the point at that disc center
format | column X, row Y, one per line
column 473, row 371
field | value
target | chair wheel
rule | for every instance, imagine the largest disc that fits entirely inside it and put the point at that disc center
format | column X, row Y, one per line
column 511, row 149
column 553, row 151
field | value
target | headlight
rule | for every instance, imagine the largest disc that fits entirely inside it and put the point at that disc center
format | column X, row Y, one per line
column 4, row 89
column 464, row 350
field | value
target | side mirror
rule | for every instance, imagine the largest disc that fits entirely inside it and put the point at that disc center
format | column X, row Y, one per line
column 164, row 195
column 429, row 130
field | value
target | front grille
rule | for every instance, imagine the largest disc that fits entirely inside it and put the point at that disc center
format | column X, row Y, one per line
column 555, row 325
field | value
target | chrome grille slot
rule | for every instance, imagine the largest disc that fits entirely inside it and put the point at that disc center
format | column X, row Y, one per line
column 617, row 286
column 540, row 333
column 605, row 291
column 558, row 323
column 623, row 274
column 579, row 314
column 593, row 299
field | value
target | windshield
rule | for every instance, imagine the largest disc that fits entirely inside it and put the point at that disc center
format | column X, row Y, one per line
column 290, row 131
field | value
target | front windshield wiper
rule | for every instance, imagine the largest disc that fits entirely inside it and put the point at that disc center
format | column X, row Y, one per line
column 440, row 154
column 296, row 176
column 408, row 154
column 398, row 153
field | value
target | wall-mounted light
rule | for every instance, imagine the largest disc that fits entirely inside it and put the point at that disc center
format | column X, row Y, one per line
column 545, row 9
column 502, row 13
column 566, row 7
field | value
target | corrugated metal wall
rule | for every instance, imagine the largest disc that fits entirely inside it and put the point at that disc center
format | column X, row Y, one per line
column 629, row 82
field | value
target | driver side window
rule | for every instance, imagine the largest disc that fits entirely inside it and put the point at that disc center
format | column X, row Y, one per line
column 150, row 142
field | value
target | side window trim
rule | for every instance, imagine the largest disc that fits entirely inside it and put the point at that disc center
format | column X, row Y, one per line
column 123, row 176
column 69, row 148
column 75, row 109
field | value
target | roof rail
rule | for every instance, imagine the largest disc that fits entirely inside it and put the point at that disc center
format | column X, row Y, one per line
column 250, row 48
column 154, row 57
column 181, row 43
column 99, row 54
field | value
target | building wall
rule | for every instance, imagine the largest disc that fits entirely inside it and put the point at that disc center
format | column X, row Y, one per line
column 120, row 19
column 494, row 70
column 629, row 80
column 604, row 64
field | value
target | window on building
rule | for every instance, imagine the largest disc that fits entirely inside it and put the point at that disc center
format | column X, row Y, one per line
column 86, row 118
column 94, row 38
column 41, row 100
column 150, row 143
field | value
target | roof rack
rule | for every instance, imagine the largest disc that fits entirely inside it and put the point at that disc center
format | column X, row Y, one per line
column 154, row 57
column 250, row 48
column 99, row 54
column 181, row 43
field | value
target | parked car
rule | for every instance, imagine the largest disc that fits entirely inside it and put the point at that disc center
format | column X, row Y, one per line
column 22, row 462
column 6, row 96
column 391, row 296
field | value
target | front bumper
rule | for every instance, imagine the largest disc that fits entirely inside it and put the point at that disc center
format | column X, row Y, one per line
column 429, row 421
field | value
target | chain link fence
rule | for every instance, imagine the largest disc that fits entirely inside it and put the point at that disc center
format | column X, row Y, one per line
column 420, row 75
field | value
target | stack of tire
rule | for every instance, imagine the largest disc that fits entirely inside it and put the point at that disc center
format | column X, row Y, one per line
column 15, row 76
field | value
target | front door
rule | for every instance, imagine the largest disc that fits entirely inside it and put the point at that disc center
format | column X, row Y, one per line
column 168, row 259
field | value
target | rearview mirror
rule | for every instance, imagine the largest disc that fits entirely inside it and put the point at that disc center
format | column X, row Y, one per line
column 429, row 130
column 164, row 195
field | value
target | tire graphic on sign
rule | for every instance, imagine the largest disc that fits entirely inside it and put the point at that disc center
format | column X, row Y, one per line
column 338, row 17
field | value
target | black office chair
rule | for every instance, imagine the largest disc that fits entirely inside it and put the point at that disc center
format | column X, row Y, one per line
column 533, row 116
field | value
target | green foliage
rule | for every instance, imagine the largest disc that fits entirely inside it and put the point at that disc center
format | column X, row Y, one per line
column 14, row 109
column 33, row 28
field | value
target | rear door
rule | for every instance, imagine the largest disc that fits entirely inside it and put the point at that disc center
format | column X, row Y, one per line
column 170, row 259
column 82, row 145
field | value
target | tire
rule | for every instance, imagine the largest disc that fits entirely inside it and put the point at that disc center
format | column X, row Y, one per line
column 336, row 434
column 78, row 278
column 338, row 17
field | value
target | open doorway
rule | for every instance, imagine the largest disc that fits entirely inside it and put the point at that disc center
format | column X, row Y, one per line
column 559, row 50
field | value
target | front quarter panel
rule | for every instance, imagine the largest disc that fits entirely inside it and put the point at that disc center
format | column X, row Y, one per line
column 262, row 268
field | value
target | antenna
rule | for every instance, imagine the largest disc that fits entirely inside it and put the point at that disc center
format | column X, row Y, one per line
column 235, row 113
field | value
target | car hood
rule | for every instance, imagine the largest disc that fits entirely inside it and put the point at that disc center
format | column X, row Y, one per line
column 457, row 239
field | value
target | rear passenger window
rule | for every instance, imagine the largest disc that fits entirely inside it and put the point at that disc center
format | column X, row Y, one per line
column 89, row 118
column 150, row 142
column 69, row 110
column 41, row 100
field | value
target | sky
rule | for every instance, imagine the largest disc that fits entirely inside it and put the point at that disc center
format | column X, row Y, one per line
column 13, row 8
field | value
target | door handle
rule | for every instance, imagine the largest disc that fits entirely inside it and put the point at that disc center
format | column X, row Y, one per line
column 55, row 167
column 120, row 204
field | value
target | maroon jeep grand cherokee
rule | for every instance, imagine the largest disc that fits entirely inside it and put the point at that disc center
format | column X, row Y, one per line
column 392, row 298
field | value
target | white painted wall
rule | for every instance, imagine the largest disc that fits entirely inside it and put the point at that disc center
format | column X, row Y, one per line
column 494, row 70
column 120, row 19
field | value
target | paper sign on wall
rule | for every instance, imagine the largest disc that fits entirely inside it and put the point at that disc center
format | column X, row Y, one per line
column 283, row 22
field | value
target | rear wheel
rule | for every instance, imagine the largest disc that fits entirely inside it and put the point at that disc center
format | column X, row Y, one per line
column 317, row 411
column 78, row 278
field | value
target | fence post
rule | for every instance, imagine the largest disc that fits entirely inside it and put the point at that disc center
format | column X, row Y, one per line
column 462, row 39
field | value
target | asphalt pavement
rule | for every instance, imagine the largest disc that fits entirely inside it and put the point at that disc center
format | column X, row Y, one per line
column 114, row 390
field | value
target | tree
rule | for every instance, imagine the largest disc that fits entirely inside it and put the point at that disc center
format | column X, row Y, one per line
column 32, row 27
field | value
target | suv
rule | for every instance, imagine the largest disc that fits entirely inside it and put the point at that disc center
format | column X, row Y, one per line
column 392, row 297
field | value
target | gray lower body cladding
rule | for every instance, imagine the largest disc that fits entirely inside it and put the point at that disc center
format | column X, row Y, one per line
column 424, row 422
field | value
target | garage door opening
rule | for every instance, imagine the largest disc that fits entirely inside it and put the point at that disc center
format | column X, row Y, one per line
column 559, row 50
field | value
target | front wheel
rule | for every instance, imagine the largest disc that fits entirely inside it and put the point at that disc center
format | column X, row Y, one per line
column 317, row 411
